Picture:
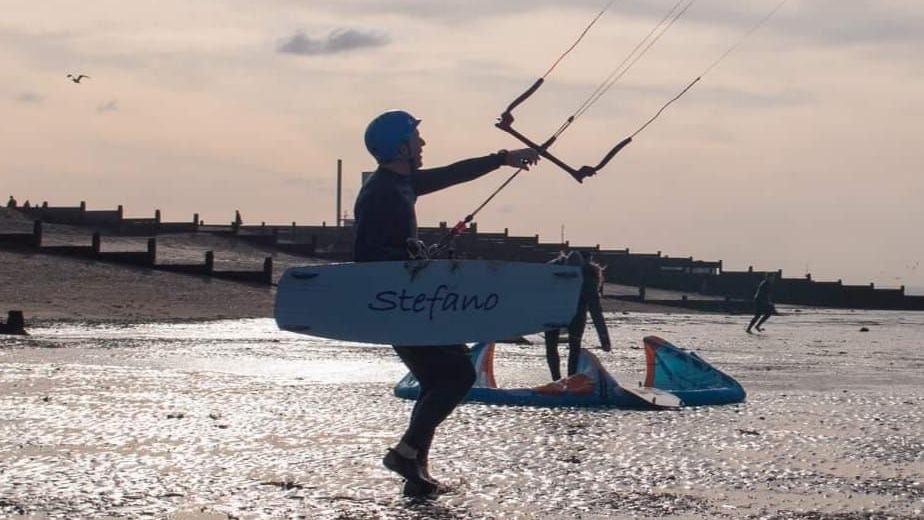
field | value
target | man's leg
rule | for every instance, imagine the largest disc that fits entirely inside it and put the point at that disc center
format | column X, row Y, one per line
column 445, row 374
column 575, row 336
column 756, row 317
column 551, row 353
column 403, row 459
column 449, row 375
column 763, row 318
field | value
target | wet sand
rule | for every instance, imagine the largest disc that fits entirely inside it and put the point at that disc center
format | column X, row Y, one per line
column 233, row 419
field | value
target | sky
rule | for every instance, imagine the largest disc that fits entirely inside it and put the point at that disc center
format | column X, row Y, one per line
column 803, row 150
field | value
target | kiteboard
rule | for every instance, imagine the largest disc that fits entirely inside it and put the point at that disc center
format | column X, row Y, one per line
column 426, row 302
column 654, row 396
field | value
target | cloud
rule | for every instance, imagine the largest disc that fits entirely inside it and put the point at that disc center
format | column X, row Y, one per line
column 830, row 22
column 30, row 98
column 339, row 40
column 109, row 106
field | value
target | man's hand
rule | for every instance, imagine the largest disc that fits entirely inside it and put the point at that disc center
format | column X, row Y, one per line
column 522, row 158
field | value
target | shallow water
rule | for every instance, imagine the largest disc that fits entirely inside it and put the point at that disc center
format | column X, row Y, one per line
column 237, row 419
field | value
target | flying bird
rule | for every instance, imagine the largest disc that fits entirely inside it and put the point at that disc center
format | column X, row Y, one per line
column 76, row 79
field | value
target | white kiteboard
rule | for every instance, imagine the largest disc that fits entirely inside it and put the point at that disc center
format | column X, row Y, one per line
column 429, row 302
column 653, row 396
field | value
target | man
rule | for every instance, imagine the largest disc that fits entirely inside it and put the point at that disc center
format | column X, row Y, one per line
column 589, row 301
column 763, row 304
column 386, row 224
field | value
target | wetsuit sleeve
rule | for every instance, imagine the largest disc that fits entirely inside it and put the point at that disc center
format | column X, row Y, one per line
column 435, row 179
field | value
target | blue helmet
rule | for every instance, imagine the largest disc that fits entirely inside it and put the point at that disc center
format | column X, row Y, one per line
column 387, row 132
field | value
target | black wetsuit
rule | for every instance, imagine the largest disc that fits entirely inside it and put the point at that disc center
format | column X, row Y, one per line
column 385, row 220
column 589, row 301
column 763, row 305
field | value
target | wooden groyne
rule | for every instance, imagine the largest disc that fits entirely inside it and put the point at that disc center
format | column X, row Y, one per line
column 146, row 258
column 112, row 220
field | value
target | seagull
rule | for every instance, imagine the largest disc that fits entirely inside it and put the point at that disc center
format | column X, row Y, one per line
column 76, row 79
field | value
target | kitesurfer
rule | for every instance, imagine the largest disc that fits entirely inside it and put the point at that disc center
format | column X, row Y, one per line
column 589, row 301
column 386, row 227
column 763, row 304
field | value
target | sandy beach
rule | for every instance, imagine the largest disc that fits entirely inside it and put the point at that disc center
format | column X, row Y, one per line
column 235, row 419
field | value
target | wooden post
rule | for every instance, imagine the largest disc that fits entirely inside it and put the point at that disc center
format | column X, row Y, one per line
column 121, row 211
column 157, row 216
column 96, row 243
column 15, row 324
column 209, row 262
column 196, row 219
column 83, row 205
column 339, row 189
column 37, row 233
column 268, row 270
column 152, row 251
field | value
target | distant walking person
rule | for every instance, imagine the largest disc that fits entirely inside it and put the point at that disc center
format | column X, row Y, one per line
column 11, row 203
column 763, row 304
column 589, row 301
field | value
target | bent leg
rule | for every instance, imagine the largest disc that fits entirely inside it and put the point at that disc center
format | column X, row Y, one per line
column 764, row 318
column 753, row 321
column 445, row 374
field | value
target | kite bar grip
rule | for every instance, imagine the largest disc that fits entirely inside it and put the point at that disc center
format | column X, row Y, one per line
column 616, row 149
column 524, row 96
column 587, row 171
